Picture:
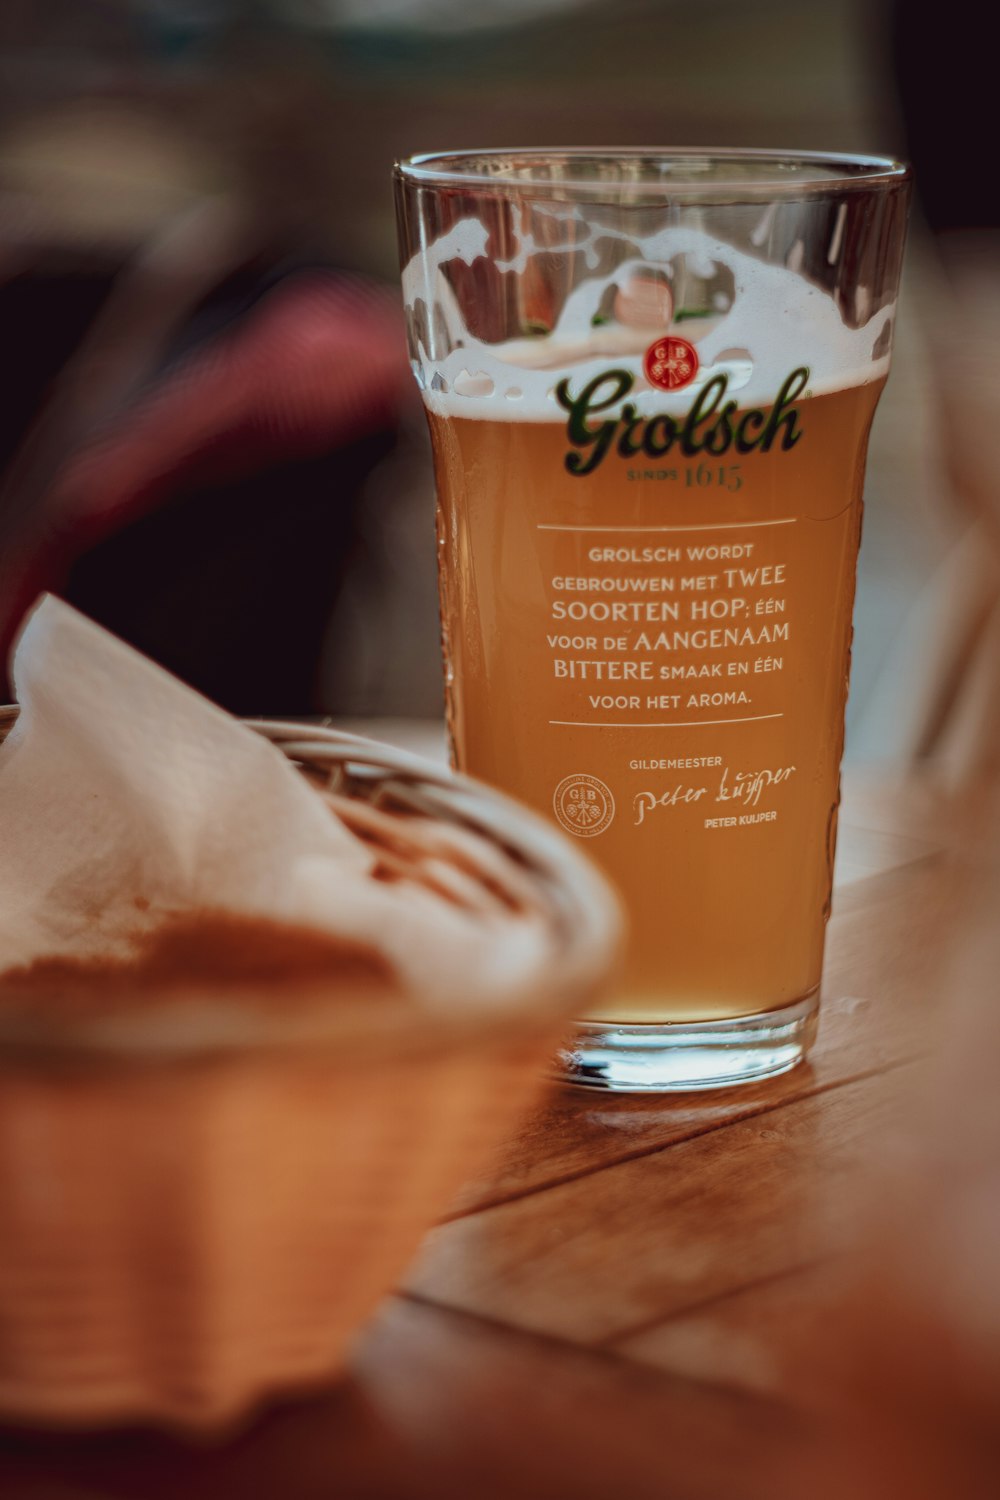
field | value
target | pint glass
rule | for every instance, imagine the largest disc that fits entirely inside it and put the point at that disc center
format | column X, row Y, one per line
column 650, row 378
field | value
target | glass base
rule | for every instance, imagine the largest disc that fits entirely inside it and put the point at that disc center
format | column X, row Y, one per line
column 678, row 1056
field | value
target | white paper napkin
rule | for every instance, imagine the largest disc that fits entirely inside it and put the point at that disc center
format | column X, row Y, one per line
column 125, row 797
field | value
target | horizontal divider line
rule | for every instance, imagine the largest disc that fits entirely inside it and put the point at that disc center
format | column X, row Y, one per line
column 669, row 724
column 709, row 526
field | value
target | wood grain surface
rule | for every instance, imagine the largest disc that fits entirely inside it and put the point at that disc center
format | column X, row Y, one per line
column 632, row 1302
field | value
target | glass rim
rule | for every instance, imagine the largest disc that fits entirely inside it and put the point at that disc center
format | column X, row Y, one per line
column 806, row 173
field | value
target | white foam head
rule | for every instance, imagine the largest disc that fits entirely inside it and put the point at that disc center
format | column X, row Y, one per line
column 774, row 320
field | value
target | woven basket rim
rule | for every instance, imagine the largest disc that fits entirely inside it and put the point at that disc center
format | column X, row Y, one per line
column 584, row 912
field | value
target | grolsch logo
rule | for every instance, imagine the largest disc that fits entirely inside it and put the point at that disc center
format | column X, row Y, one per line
column 712, row 425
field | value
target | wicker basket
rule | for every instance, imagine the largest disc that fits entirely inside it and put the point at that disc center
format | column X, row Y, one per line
column 185, row 1230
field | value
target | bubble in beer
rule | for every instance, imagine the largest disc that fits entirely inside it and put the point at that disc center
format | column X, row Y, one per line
column 764, row 225
column 738, row 366
column 468, row 384
column 883, row 344
column 644, row 300
column 836, row 239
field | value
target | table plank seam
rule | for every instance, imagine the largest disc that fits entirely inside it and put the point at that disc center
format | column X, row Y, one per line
column 764, row 1107
column 769, row 1278
column 597, row 1352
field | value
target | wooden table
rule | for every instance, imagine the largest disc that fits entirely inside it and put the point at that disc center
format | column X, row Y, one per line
column 618, row 1309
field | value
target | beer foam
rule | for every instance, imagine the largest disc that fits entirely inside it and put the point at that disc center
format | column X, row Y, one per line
column 775, row 320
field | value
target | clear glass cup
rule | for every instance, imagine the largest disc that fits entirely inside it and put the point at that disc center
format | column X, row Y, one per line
column 650, row 378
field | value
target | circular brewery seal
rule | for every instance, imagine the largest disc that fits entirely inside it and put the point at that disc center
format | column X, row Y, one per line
column 583, row 805
column 670, row 363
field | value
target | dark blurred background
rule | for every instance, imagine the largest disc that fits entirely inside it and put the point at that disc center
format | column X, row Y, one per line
column 207, row 434
column 209, row 440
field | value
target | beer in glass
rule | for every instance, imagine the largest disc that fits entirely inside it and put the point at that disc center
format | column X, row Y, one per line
column 650, row 379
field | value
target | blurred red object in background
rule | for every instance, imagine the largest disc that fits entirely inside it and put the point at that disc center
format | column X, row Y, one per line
column 297, row 395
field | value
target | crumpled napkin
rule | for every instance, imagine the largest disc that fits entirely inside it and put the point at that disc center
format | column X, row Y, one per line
column 126, row 798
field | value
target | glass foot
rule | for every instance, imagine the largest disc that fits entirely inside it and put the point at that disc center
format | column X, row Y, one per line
column 683, row 1055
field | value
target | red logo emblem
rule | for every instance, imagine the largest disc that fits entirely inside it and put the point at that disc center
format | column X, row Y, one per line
column 670, row 363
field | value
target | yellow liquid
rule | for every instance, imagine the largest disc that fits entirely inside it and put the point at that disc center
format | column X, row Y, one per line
column 726, row 917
